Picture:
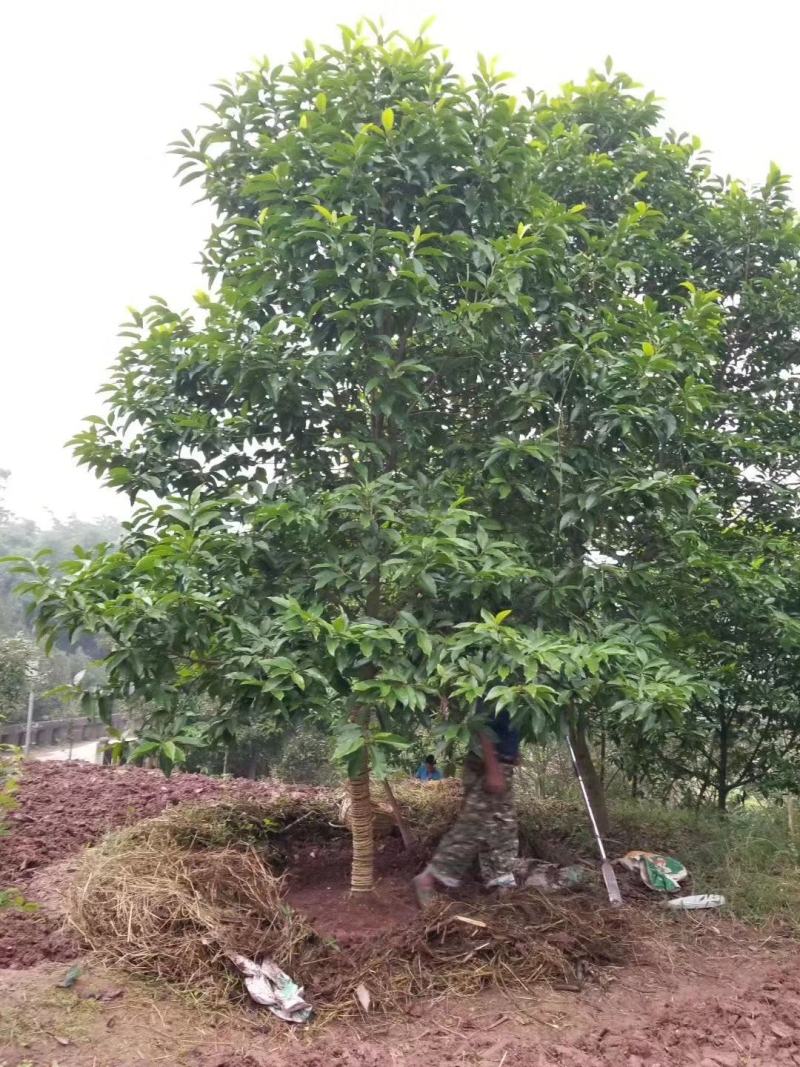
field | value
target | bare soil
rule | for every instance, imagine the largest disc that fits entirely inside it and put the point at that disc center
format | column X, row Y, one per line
column 64, row 806
column 318, row 885
column 702, row 990
column 28, row 937
column 728, row 1002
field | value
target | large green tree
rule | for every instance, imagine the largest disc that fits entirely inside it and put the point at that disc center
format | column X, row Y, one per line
column 459, row 381
column 17, row 658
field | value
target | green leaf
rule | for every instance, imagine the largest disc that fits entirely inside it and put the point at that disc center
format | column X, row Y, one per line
column 424, row 642
column 390, row 740
column 170, row 750
column 146, row 748
column 569, row 518
column 119, row 476
column 427, row 583
column 378, row 764
column 350, row 740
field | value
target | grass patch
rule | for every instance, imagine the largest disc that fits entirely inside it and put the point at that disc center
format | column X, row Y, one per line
column 12, row 898
column 54, row 1013
column 747, row 854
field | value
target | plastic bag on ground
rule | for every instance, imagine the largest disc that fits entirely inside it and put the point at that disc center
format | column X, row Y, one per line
column 693, row 903
column 268, row 985
column 662, row 873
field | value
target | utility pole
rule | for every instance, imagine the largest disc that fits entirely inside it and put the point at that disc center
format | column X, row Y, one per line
column 29, row 724
column 32, row 672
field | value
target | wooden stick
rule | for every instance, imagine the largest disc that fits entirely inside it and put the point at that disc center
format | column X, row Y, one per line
column 402, row 825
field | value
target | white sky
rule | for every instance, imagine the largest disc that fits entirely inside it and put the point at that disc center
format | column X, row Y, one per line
column 91, row 92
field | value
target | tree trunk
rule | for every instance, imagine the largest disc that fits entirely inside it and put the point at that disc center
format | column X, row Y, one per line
column 722, row 770
column 591, row 779
column 790, row 820
column 253, row 764
column 362, row 871
column 400, row 822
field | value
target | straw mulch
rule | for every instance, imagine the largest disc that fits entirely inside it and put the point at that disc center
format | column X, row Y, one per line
column 462, row 947
column 166, row 906
column 169, row 897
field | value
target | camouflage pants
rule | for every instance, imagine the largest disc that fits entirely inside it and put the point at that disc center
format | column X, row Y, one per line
column 486, row 828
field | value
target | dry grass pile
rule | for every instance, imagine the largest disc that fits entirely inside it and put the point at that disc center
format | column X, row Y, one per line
column 168, row 897
column 462, row 947
column 428, row 807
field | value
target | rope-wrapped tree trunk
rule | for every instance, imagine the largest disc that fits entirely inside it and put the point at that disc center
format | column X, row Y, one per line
column 361, row 875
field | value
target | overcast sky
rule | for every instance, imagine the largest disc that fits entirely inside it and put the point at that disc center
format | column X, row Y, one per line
column 92, row 219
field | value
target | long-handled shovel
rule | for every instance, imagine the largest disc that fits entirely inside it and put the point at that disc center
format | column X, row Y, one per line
column 609, row 877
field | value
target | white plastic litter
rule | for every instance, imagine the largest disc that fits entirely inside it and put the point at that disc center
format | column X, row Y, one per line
column 363, row 996
column 701, row 900
column 268, row 985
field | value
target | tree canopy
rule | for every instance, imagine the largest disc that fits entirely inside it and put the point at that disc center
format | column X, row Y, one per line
column 474, row 378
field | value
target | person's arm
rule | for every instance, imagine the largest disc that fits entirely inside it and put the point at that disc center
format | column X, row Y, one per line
column 494, row 780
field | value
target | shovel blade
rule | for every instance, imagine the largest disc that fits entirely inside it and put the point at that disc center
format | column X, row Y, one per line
column 612, row 886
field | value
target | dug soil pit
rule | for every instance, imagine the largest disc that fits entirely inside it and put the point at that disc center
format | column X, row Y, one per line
column 318, row 886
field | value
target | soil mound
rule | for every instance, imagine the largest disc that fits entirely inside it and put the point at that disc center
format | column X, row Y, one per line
column 63, row 806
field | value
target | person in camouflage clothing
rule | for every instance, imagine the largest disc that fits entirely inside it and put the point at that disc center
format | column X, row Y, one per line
column 486, row 827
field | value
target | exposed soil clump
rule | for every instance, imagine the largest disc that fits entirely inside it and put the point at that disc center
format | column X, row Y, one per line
column 28, row 937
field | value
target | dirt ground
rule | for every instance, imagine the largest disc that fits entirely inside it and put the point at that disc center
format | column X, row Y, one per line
column 699, row 990
column 725, row 1002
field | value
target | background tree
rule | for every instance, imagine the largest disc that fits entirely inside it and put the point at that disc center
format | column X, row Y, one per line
column 16, row 659
column 738, row 615
column 20, row 536
column 462, row 382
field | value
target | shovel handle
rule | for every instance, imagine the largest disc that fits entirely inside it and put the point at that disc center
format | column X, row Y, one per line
column 587, row 802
